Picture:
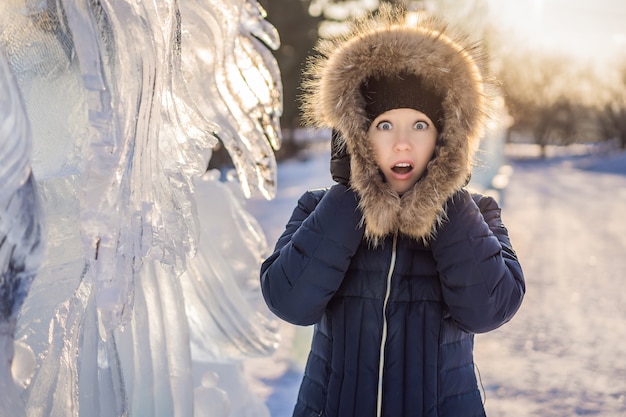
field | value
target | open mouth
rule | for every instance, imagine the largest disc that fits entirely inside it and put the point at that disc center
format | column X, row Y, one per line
column 402, row 168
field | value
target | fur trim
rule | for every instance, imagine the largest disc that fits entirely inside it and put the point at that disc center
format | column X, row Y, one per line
column 388, row 43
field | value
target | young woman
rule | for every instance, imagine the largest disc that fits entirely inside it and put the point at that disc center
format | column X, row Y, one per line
column 397, row 265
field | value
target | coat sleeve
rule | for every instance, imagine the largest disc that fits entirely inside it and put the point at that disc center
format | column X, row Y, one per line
column 481, row 278
column 312, row 255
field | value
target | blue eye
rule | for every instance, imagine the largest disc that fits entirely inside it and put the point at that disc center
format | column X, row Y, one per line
column 421, row 125
column 384, row 126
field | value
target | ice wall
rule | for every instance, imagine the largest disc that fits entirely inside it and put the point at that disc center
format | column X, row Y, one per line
column 21, row 246
column 141, row 300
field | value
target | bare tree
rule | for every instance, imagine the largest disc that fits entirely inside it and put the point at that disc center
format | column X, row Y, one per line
column 547, row 96
column 612, row 114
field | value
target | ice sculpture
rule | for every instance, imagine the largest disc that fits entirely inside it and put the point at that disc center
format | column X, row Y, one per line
column 21, row 246
column 140, row 303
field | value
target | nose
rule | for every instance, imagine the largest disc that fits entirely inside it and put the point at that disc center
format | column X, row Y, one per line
column 401, row 142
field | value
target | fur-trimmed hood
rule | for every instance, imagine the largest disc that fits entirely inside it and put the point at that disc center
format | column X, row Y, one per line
column 392, row 42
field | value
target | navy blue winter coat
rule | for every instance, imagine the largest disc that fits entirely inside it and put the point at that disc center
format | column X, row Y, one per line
column 418, row 304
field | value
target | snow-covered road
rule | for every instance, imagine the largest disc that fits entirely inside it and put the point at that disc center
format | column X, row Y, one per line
column 564, row 353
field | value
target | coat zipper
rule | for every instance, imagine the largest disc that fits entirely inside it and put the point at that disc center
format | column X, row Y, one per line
column 383, row 341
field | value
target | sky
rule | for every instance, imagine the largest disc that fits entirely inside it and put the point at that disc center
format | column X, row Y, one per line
column 589, row 29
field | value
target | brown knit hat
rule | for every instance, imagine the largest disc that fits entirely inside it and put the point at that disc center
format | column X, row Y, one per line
column 403, row 90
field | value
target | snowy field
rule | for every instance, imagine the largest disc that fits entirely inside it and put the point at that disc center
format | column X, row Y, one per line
column 564, row 353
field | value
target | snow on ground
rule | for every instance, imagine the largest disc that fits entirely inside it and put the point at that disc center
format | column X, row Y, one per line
column 564, row 353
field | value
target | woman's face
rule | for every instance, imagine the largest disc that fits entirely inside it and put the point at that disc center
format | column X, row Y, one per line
column 404, row 142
